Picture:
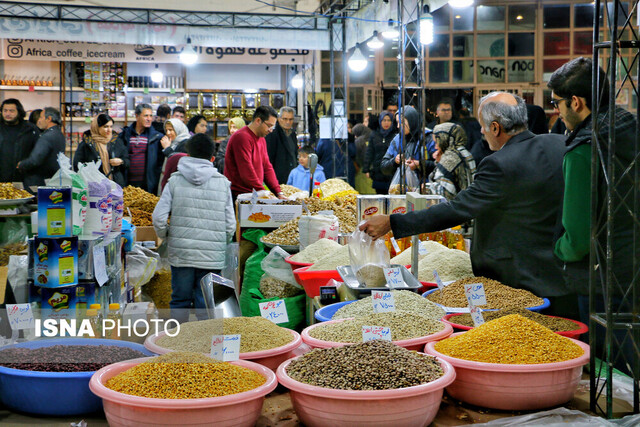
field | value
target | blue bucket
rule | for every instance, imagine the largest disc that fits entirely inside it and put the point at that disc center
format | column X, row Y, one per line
column 326, row 313
column 545, row 304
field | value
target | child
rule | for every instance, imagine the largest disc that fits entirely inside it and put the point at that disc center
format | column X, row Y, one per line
column 301, row 176
column 198, row 198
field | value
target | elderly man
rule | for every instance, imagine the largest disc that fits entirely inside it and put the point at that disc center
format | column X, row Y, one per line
column 282, row 145
column 515, row 199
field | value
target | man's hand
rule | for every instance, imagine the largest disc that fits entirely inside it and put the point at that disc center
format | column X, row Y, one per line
column 115, row 161
column 437, row 155
column 165, row 142
column 413, row 164
column 282, row 196
column 397, row 160
column 377, row 226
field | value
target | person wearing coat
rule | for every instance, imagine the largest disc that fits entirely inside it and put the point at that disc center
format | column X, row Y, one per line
column 379, row 141
column 235, row 124
column 176, row 134
column 454, row 167
column 101, row 143
column 282, row 145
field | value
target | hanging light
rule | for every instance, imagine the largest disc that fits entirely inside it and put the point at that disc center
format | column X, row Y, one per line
column 297, row 81
column 460, row 3
column 156, row 75
column 357, row 62
column 390, row 32
column 375, row 42
column 426, row 27
column 188, row 56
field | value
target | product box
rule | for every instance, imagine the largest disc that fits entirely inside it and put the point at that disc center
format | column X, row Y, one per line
column 146, row 234
column 59, row 302
column 86, row 294
column 128, row 235
column 271, row 215
column 396, row 204
column 55, row 262
column 86, row 244
column 54, row 212
column 368, row 206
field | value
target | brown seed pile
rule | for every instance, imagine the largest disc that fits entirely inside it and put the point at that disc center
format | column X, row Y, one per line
column 9, row 192
column 159, row 289
column 371, row 276
column 140, row 218
column 404, row 301
column 513, row 340
column 271, row 287
column 184, row 375
column 135, row 197
column 289, row 190
column 556, row 324
column 403, row 326
column 498, row 295
column 286, row 234
column 373, row 365
column 257, row 334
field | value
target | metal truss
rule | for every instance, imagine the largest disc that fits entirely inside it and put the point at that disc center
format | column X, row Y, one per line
column 309, row 100
column 338, row 110
column 616, row 201
column 161, row 17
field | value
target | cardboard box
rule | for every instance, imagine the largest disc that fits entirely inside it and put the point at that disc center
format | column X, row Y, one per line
column 146, row 234
column 58, row 299
column 54, row 212
column 86, row 295
column 271, row 215
column 55, row 262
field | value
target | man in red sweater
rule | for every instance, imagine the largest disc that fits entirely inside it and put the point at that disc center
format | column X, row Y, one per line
column 246, row 162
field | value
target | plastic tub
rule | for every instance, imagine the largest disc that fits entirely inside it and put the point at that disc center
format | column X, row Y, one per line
column 271, row 358
column 312, row 280
column 325, row 313
column 295, row 265
column 416, row 344
column 546, row 304
column 53, row 393
column 241, row 409
column 514, row 387
column 407, row 407
column 451, row 319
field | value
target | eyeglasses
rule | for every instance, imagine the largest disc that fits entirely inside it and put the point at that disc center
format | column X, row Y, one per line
column 269, row 126
column 556, row 102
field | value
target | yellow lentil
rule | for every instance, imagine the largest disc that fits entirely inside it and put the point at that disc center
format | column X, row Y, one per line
column 184, row 375
column 556, row 324
column 510, row 339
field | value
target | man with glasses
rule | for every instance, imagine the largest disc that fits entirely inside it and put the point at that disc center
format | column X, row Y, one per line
column 246, row 163
column 282, row 145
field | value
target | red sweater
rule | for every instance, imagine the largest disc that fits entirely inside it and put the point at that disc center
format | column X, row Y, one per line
column 247, row 165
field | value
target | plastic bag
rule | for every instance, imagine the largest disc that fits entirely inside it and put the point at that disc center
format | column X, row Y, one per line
column 315, row 227
column 17, row 276
column 230, row 270
column 65, row 176
column 275, row 266
column 100, row 212
column 368, row 258
column 117, row 203
column 14, row 230
column 411, row 180
column 142, row 264
column 561, row 417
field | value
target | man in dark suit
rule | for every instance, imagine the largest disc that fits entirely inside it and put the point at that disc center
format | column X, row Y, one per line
column 282, row 145
column 515, row 199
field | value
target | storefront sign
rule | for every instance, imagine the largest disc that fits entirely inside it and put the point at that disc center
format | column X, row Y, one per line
column 46, row 50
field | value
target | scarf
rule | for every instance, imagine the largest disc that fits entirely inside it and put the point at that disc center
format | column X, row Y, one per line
column 100, row 144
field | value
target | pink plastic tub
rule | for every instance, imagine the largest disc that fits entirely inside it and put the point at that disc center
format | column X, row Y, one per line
column 411, row 406
column 242, row 409
column 416, row 344
column 312, row 280
column 451, row 319
column 271, row 358
column 295, row 265
column 514, row 387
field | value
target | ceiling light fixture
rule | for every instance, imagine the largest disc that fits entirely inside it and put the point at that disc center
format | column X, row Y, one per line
column 391, row 32
column 188, row 56
column 375, row 42
column 156, row 75
column 426, row 27
column 357, row 62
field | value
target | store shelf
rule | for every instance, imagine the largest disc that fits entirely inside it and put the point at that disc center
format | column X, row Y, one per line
column 154, row 89
column 81, row 119
column 37, row 88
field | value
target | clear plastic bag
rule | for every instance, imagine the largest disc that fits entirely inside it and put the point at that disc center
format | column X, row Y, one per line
column 142, row 264
column 230, row 270
column 411, row 180
column 368, row 258
column 275, row 266
column 17, row 276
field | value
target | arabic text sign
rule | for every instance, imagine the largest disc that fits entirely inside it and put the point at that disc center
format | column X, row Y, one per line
column 20, row 316
column 276, row 311
column 382, row 301
column 475, row 294
column 225, row 348
column 370, row 333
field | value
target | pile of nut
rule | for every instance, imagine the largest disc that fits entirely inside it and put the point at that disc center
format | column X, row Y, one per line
column 286, row 234
column 9, row 192
column 11, row 249
column 334, row 185
column 141, row 205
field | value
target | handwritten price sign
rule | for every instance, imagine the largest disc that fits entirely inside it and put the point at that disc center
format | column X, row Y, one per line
column 383, row 301
column 225, row 348
column 438, row 281
column 475, row 294
column 370, row 333
column 476, row 316
column 276, row 311
column 394, row 277
column 422, row 249
column 20, row 316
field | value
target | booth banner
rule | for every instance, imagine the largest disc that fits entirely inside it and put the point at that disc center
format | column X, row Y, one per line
column 163, row 35
column 46, row 50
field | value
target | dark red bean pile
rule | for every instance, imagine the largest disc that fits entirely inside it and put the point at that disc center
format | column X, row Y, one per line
column 66, row 358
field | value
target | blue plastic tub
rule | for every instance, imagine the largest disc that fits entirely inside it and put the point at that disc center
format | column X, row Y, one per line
column 326, row 313
column 54, row 393
column 538, row 308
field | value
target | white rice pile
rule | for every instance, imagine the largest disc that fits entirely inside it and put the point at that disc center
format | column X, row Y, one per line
column 333, row 260
column 405, row 257
column 452, row 264
column 317, row 250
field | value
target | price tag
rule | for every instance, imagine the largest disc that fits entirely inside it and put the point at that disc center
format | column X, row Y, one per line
column 475, row 294
column 225, row 348
column 476, row 315
column 32, row 89
column 100, row 265
column 146, row 90
column 370, row 333
column 438, row 281
column 395, row 245
column 172, row 91
column 422, row 249
column 276, row 311
column 20, row 316
column 383, row 301
column 305, row 208
column 254, row 197
column 394, row 277
column 87, row 119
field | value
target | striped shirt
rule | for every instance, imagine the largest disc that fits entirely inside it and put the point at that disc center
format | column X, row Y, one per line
column 137, row 158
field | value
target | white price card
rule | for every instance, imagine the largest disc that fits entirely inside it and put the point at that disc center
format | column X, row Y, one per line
column 254, row 197
column 305, row 208
column 276, row 311
column 225, row 348
column 422, row 249
column 476, row 315
column 394, row 277
column 395, row 246
column 383, row 301
column 475, row 294
column 20, row 316
column 370, row 333
column 438, row 281
column 100, row 265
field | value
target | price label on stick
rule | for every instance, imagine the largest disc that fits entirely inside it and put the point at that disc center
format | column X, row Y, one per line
column 225, row 348
column 438, row 281
column 382, row 301
column 394, row 277
column 276, row 311
column 100, row 265
column 395, row 245
column 20, row 316
column 476, row 315
column 254, row 197
column 370, row 333
column 422, row 249
column 475, row 294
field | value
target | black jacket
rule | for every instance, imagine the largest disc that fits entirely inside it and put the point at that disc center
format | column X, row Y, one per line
column 376, row 150
column 155, row 157
column 86, row 152
column 283, row 152
column 42, row 163
column 515, row 199
column 12, row 152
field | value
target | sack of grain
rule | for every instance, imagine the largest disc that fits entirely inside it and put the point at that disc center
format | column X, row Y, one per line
column 315, row 227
